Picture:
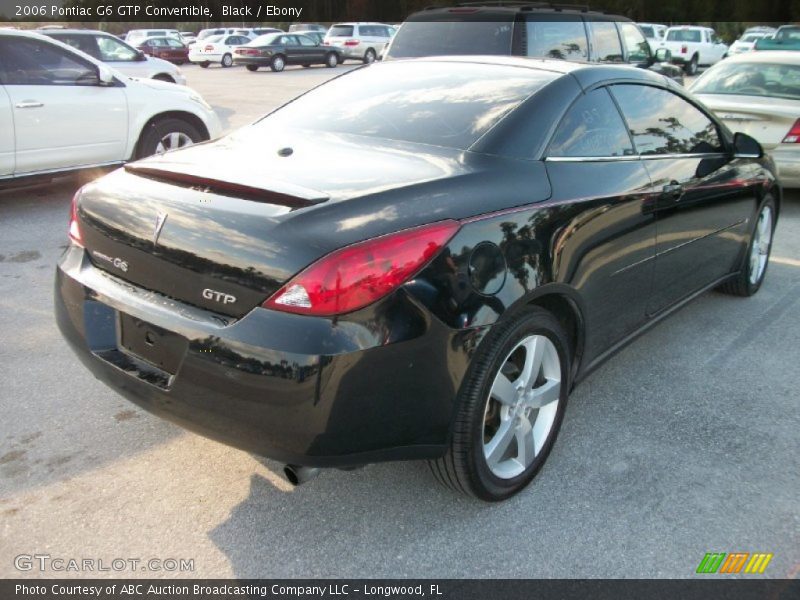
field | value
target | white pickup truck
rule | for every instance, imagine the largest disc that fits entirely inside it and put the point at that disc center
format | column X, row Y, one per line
column 693, row 46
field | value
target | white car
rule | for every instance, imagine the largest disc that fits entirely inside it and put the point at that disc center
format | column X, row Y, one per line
column 745, row 43
column 359, row 41
column 118, row 54
column 693, row 46
column 758, row 93
column 61, row 110
column 654, row 33
column 217, row 49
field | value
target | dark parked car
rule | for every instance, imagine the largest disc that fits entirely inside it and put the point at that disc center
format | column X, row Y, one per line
column 420, row 270
column 166, row 48
column 528, row 30
column 276, row 50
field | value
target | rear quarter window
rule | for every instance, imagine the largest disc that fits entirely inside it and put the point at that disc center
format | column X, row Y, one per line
column 556, row 39
column 341, row 31
column 457, row 38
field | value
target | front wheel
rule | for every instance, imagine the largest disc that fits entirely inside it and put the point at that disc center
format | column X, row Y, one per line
column 204, row 64
column 754, row 267
column 167, row 134
column 277, row 64
column 510, row 408
column 331, row 60
column 227, row 61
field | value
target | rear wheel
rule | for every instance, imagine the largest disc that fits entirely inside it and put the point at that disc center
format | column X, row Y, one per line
column 691, row 66
column 369, row 56
column 227, row 60
column 204, row 64
column 510, row 408
column 278, row 64
column 754, row 265
column 167, row 134
column 331, row 60
column 252, row 68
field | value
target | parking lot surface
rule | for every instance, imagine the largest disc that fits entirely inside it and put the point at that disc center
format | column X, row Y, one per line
column 686, row 442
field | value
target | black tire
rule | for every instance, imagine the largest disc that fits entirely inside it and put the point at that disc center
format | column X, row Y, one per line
column 741, row 284
column 691, row 66
column 306, row 66
column 156, row 130
column 252, row 68
column 369, row 56
column 163, row 77
column 331, row 60
column 464, row 468
column 204, row 64
column 278, row 63
column 227, row 61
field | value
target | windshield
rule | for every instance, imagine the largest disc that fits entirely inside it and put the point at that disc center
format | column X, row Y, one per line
column 440, row 104
column 648, row 32
column 442, row 38
column 265, row 40
column 788, row 33
column 751, row 38
column 751, row 79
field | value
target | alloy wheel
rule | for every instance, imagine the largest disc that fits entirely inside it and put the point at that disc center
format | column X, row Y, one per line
column 522, row 406
column 759, row 250
column 173, row 140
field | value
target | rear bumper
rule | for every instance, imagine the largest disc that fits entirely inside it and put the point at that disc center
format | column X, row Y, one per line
column 377, row 386
column 196, row 57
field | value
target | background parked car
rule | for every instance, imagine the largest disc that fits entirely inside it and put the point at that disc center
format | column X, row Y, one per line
column 118, row 54
column 563, row 33
column 136, row 36
column 654, row 33
column 306, row 27
column 217, row 49
column 166, row 48
column 359, row 41
column 187, row 37
column 276, row 50
column 693, row 47
column 61, row 109
column 746, row 43
column 759, row 93
column 787, row 37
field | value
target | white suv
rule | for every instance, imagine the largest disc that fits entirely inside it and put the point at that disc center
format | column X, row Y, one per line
column 110, row 49
column 359, row 41
column 61, row 110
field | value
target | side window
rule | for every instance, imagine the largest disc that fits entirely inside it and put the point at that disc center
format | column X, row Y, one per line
column 556, row 39
column 114, row 50
column 31, row 62
column 305, row 41
column 85, row 43
column 636, row 46
column 592, row 127
column 605, row 41
column 664, row 123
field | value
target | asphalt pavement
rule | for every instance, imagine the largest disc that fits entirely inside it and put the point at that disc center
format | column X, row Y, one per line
column 684, row 443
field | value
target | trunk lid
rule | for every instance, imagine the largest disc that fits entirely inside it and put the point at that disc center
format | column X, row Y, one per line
column 224, row 229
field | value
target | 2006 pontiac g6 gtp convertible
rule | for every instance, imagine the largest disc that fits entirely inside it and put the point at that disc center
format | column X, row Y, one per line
column 416, row 260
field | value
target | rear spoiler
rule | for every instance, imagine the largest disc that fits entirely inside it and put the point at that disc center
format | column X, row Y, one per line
column 281, row 193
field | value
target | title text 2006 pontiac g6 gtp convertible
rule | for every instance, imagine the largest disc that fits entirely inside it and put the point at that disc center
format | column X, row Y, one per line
column 416, row 260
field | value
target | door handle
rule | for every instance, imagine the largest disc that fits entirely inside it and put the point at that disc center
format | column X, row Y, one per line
column 673, row 190
column 29, row 104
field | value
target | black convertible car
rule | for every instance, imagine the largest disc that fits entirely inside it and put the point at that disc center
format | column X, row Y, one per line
column 277, row 50
column 416, row 260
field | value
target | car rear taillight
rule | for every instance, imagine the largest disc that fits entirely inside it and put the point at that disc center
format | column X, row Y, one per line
column 352, row 42
column 793, row 137
column 74, row 228
column 208, row 48
column 358, row 275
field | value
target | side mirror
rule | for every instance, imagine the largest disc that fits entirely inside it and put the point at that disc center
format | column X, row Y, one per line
column 140, row 56
column 105, row 75
column 663, row 55
column 746, row 147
